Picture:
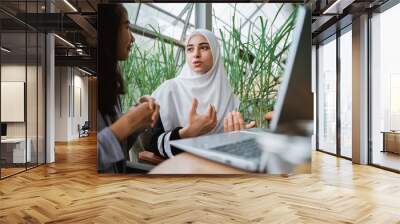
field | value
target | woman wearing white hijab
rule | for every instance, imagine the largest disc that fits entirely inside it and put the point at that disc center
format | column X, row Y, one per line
column 201, row 86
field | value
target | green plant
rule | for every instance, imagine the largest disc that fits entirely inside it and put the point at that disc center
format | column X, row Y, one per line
column 255, row 65
column 145, row 70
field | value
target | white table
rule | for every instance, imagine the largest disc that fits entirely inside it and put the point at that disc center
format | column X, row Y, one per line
column 19, row 154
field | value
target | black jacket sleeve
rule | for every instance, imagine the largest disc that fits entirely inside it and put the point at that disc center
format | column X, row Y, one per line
column 160, row 140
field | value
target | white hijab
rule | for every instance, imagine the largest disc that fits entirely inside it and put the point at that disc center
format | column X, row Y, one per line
column 175, row 95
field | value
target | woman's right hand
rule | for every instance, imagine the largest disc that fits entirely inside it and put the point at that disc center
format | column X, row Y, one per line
column 136, row 118
column 153, row 106
column 199, row 124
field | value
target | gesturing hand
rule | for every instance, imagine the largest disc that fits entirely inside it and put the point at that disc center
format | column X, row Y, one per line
column 135, row 119
column 234, row 122
column 153, row 106
column 199, row 124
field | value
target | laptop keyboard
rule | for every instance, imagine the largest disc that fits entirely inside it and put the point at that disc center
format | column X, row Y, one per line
column 247, row 148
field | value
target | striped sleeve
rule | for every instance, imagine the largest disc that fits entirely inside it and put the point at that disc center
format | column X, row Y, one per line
column 160, row 141
column 165, row 149
column 160, row 144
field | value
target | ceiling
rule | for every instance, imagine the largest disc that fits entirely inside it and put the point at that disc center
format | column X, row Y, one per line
column 22, row 21
column 76, row 23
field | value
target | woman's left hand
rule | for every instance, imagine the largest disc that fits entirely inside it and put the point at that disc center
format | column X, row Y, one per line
column 234, row 122
column 153, row 105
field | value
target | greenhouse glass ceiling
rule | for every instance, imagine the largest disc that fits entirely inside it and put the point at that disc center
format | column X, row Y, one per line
column 176, row 20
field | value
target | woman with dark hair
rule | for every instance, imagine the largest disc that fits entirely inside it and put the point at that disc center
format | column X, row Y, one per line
column 117, row 131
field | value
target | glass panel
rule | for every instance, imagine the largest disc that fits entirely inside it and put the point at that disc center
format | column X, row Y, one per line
column 173, row 8
column 31, row 98
column 246, row 9
column 314, row 82
column 150, row 18
column 225, row 13
column 346, row 94
column 31, row 90
column 385, row 86
column 133, row 11
column 249, row 14
column 223, row 18
column 41, row 100
column 13, row 87
column 327, row 97
column 22, row 81
column 143, row 42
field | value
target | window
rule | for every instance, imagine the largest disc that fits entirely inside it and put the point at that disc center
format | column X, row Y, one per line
column 385, row 88
column 327, row 96
column 22, row 63
column 346, row 94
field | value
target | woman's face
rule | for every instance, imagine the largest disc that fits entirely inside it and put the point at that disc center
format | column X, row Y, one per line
column 126, row 39
column 198, row 54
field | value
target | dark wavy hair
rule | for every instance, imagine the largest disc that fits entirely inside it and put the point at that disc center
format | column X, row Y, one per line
column 110, row 80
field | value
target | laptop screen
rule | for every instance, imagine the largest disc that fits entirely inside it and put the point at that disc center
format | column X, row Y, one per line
column 295, row 99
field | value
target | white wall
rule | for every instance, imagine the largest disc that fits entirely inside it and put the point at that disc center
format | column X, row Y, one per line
column 71, row 93
column 61, row 103
column 12, row 73
column 82, row 83
column 33, row 127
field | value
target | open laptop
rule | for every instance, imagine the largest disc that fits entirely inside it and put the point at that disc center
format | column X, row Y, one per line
column 294, row 103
